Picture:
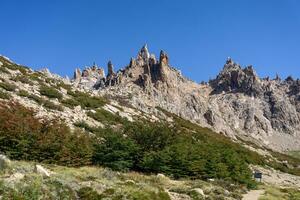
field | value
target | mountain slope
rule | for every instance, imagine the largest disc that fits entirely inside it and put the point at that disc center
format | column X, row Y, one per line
column 236, row 103
column 114, row 121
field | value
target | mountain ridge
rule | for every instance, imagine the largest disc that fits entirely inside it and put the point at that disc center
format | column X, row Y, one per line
column 237, row 103
column 264, row 109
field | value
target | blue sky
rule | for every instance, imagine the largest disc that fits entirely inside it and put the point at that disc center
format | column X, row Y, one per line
column 198, row 35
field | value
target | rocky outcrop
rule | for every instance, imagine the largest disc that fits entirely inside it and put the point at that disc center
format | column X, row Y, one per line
column 235, row 79
column 236, row 103
column 88, row 77
column 42, row 171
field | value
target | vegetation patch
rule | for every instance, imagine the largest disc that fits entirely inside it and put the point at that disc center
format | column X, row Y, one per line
column 4, row 95
column 24, row 137
column 4, row 70
column 50, row 92
column 23, row 93
column 105, row 116
column 8, row 86
column 22, row 79
column 14, row 67
column 86, row 101
column 274, row 193
column 52, row 106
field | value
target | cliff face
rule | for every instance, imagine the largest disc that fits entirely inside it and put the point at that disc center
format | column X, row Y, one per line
column 236, row 103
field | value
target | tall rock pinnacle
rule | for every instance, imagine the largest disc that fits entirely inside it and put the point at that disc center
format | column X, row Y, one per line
column 110, row 69
column 144, row 53
column 163, row 58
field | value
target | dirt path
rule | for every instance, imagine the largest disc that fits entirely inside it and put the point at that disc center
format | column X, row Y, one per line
column 253, row 195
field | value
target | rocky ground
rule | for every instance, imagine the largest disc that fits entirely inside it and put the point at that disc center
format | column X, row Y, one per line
column 27, row 180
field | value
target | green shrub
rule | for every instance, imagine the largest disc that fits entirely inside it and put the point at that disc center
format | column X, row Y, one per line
column 36, row 98
column 71, row 103
column 61, row 84
column 116, row 152
column 87, row 193
column 85, row 126
column 50, row 92
column 8, row 86
column 36, row 76
column 102, row 115
column 22, row 79
column 23, row 93
column 52, row 106
column 43, row 102
column 15, row 67
column 87, row 101
column 4, row 70
column 4, row 95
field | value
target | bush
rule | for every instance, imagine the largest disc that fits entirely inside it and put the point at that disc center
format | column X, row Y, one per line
column 87, row 193
column 102, row 115
column 85, row 126
column 87, row 101
column 7, row 86
column 116, row 152
column 50, row 92
column 15, row 67
column 36, row 98
column 22, row 79
column 4, row 95
column 71, row 103
column 24, row 137
column 61, row 84
column 23, row 93
column 4, row 70
column 52, row 106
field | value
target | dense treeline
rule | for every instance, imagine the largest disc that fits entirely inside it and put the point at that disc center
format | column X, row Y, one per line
column 183, row 150
column 160, row 149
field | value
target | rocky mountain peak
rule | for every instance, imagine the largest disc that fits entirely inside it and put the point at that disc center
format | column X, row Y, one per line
column 234, row 78
column 144, row 53
column 163, row 58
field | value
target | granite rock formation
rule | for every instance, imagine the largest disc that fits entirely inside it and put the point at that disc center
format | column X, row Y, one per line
column 237, row 103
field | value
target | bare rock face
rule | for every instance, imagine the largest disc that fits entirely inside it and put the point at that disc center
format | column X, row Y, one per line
column 77, row 75
column 89, row 76
column 235, row 79
column 236, row 103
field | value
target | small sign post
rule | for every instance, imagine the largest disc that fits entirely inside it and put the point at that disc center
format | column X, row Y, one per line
column 257, row 175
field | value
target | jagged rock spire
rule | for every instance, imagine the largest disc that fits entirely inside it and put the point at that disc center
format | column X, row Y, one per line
column 144, row 53
column 77, row 74
column 163, row 58
column 110, row 69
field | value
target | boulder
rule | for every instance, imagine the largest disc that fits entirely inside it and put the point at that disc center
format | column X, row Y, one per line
column 160, row 176
column 41, row 170
column 4, row 162
column 199, row 191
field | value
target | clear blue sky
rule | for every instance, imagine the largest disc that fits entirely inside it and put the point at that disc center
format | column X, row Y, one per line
column 198, row 35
